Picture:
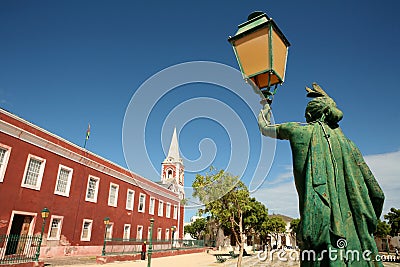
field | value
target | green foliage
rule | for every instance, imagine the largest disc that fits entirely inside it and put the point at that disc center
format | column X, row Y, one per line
column 276, row 226
column 393, row 218
column 197, row 229
column 255, row 216
column 225, row 197
column 382, row 229
column 294, row 224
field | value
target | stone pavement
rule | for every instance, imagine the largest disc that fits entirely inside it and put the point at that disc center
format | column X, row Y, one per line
column 196, row 260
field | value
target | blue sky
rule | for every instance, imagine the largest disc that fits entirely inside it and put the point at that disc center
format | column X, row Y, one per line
column 66, row 63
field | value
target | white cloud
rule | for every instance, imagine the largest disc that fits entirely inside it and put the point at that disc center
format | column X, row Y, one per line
column 386, row 168
column 280, row 195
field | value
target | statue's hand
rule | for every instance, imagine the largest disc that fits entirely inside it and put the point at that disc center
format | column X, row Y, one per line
column 264, row 117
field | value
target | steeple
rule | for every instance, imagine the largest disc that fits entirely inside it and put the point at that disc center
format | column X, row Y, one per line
column 172, row 169
column 173, row 153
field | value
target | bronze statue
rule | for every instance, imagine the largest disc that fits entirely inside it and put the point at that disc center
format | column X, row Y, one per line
column 339, row 199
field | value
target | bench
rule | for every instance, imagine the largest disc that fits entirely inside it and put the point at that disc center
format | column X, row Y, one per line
column 219, row 258
column 233, row 255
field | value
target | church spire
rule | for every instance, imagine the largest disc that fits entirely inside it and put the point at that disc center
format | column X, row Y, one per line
column 172, row 169
column 173, row 153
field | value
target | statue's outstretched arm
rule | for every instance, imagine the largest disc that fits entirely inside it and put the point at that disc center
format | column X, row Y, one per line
column 264, row 122
column 280, row 131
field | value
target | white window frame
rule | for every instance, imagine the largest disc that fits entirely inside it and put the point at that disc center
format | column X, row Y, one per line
column 175, row 212
column 159, row 233
column 96, row 192
column 129, row 206
column 139, row 234
column 168, row 210
column 144, row 203
column 160, row 208
column 68, row 186
column 109, row 230
column 5, row 161
column 167, row 234
column 57, row 237
column 115, row 204
column 152, row 205
column 40, row 176
column 89, row 230
column 128, row 236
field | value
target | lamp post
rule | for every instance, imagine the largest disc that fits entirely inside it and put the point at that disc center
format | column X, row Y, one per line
column 45, row 214
column 106, row 221
column 261, row 51
column 150, row 243
column 173, row 229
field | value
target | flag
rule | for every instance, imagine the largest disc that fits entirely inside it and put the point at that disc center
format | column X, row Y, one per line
column 88, row 132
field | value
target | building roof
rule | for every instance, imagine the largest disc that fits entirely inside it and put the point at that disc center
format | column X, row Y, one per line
column 19, row 128
column 284, row 217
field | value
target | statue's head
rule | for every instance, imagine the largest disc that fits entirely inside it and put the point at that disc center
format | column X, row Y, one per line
column 322, row 107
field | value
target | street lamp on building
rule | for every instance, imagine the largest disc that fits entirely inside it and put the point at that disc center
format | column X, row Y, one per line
column 173, row 229
column 261, row 51
column 150, row 243
column 45, row 214
column 106, row 221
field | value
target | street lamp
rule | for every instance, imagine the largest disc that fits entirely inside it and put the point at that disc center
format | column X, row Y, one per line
column 45, row 214
column 150, row 243
column 106, row 221
column 261, row 51
column 173, row 229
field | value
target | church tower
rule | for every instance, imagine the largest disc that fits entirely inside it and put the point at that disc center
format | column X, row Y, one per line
column 172, row 168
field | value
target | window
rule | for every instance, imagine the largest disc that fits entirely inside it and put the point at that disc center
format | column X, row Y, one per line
column 33, row 173
column 55, row 228
column 113, row 195
column 167, row 234
column 127, row 231
column 142, row 202
column 169, row 175
column 130, row 196
column 168, row 210
column 160, row 208
column 86, row 230
column 109, row 230
column 159, row 233
column 151, row 206
column 139, row 233
column 63, row 183
column 175, row 212
column 92, row 189
column 4, row 155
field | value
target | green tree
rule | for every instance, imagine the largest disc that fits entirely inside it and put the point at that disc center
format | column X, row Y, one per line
column 255, row 216
column 294, row 225
column 382, row 229
column 276, row 226
column 393, row 217
column 226, row 198
column 197, row 229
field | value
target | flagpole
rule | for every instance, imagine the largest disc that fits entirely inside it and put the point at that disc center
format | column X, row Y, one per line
column 87, row 135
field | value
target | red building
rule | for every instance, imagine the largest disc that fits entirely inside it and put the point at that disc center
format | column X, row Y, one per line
column 39, row 169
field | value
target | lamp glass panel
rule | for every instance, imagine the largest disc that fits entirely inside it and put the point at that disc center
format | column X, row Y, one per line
column 279, row 51
column 261, row 80
column 253, row 52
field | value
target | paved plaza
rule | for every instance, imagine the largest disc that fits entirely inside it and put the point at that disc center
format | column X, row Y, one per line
column 198, row 259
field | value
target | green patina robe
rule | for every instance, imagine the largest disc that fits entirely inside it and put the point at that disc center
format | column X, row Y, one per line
column 339, row 199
